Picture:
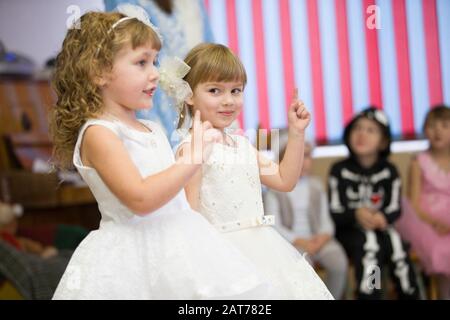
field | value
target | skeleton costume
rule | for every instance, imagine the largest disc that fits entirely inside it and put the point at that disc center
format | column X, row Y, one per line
column 352, row 186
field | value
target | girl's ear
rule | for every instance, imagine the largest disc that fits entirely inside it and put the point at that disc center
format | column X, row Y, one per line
column 101, row 81
column 189, row 101
column 100, row 78
column 190, row 109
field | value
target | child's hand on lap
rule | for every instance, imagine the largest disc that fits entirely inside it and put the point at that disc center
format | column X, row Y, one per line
column 380, row 220
column 366, row 218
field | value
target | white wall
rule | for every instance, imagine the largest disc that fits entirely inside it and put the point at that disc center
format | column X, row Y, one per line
column 36, row 28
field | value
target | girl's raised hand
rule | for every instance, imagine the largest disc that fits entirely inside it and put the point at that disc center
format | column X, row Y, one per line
column 298, row 115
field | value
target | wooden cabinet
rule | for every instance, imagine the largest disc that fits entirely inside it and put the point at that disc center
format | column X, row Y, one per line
column 24, row 106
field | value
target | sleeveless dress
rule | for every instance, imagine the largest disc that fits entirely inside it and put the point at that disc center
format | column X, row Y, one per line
column 231, row 200
column 171, row 253
column 432, row 249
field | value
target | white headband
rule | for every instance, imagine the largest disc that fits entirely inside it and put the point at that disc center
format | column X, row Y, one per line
column 133, row 12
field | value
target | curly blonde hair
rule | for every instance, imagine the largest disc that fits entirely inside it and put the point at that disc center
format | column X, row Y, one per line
column 88, row 53
column 211, row 62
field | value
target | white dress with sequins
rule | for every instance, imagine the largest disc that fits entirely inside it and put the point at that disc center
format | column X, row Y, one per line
column 171, row 253
column 231, row 200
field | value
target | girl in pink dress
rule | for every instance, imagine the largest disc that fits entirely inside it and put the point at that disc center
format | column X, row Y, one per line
column 425, row 220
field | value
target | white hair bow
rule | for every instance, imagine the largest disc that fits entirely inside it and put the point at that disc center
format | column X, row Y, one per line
column 135, row 12
column 172, row 71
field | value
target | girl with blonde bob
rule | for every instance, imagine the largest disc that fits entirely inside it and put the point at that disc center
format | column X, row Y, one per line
column 227, row 191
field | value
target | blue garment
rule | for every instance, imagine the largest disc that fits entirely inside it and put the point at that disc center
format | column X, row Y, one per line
column 175, row 44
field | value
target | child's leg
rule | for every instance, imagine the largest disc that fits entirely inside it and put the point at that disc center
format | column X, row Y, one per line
column 334, row 260
column 444, row 287
column 363, row 248
column 400, row 265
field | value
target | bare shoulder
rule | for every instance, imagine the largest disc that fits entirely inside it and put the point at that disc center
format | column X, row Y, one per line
column 99, row 142
column 98, row 135
column 181, row 149
column 183, row 144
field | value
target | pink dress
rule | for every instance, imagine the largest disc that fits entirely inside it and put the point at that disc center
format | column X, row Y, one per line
column 432, row 249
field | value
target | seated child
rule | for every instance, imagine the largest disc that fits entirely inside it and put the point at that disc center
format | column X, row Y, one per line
column 425, row 220
column 8, row 232
column 364, row 198
column 302, row 217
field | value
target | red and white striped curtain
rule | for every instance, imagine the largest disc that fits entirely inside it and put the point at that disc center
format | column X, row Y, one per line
column 343, row 55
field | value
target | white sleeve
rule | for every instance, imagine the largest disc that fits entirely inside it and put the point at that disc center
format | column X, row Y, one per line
column 326, row 223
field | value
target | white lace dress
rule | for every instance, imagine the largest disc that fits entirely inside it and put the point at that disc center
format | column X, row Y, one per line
column 171, row 253
column 230, row 198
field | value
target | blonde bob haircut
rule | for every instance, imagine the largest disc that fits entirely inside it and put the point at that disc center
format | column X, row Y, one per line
column 211, row 62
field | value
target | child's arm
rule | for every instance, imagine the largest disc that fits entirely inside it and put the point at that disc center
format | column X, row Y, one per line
column 414, row 191
column 392, row 204
column 343, row 216
column 106, row 153
column 30, row 245
column 326, row 226
column 185, row 151
column 192, row 187
column 285, row 176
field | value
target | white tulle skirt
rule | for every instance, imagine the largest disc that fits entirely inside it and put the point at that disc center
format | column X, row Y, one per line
column 289, row 273
column 172, row 255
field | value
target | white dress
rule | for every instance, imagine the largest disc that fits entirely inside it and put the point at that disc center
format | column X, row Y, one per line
column 171, row 253
column 231, row 200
